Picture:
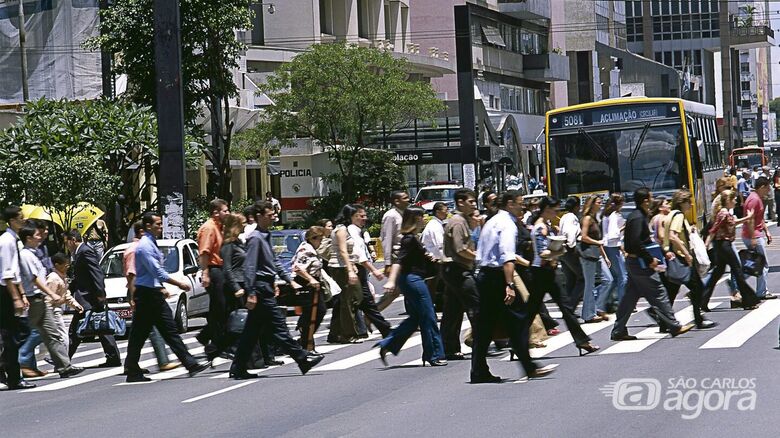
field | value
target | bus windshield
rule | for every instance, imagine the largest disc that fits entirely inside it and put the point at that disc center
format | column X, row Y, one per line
column 618, row 160
column 747, row 159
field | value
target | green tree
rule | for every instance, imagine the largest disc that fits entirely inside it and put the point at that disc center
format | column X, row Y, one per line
column 342, row 96
column 67, row 185
column 210, row 53
column 774, row 105
column 117, row 136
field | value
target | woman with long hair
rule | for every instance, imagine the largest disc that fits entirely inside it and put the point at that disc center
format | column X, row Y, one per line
column 594, row 261
column 677, row 245
column 613, row 224
column 409, row 271
column 343, row 267
column 659, row 210
column 722, row 234
column 543, row 272
column 307, row 266
column 233, row 253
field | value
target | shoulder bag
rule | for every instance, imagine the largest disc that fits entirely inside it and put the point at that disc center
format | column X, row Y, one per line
column 753, row 262
column 237, row 321
column 101, row 323
column 677, row 272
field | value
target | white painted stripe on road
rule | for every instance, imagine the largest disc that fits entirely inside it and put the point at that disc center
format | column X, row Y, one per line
column 364, row 357
column 746, row 327
column 651, row 335
column 464, row 349
column 221, row 391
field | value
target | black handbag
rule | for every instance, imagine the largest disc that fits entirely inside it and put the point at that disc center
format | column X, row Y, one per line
column 753, row 262
column 289, row 296
column 677, row 272
column 588, row 251
column 237, row 321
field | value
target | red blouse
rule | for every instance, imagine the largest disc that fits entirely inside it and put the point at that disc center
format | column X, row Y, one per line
column 724, row 227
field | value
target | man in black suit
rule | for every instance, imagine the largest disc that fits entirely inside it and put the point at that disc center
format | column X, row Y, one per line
column 89, row 290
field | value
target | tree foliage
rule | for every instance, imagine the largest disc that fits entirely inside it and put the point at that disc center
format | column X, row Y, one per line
column 342, row 95
column 210, row 51
column 114, row 136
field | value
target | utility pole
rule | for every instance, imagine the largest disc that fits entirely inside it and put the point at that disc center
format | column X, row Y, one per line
column 170, row 118
column 760, row 126
column 105, row 57
column 23, row 51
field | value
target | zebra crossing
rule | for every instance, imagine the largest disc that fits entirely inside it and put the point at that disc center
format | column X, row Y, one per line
column 730, row 334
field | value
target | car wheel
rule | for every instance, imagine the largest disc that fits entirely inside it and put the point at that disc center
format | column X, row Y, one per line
column 182, row 320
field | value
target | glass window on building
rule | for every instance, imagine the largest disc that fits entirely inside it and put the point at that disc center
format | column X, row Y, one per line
column 656, row 8
column 695, row 6
column 456, row 172
column 433, row 173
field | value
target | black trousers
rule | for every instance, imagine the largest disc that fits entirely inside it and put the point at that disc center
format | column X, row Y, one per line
column 492, row 311
column 460, row 296
column 695, row 287
column 725, row 256
column 575, row 282
column 107, row 341
column 541, row 282
column 644, row 282
column 368, row 305
column 9, row 330
column 214, row 334
column 151, row 310
column 311, row 318
column 265, row 316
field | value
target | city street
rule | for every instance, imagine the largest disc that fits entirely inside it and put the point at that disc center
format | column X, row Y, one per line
column 352, row 394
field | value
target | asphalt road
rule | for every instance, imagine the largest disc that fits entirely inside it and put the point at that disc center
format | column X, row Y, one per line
column 719, row 382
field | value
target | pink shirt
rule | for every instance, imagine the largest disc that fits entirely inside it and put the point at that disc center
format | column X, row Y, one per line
column 129, row 258
column 755, row 204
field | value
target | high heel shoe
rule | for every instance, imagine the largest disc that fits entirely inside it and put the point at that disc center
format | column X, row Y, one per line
column 435, row 363
column 382, row 353
column 588, row 347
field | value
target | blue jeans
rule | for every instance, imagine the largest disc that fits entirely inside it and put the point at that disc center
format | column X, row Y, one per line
column 421, row 314
column 594, row 298
column 27, row 350
column 761, row 279
column 618, row 271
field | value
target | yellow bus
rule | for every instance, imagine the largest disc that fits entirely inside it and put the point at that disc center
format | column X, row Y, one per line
column 622, row 144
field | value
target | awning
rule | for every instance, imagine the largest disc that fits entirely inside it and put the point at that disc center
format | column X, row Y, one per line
column 493, row 36
column 274, row 166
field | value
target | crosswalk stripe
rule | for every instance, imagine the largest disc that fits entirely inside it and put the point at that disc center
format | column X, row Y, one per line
column 221, row 391
column 747, row 326
column 651, row 335
column 364, row 357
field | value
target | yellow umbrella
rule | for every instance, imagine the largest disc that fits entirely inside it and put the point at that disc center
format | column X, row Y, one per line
column 86, row 216
column 35, row 212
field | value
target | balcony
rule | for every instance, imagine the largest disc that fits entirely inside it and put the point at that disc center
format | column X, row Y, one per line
column 747, row 35
column 499, row 61
column 526, row 9
column 546, row 67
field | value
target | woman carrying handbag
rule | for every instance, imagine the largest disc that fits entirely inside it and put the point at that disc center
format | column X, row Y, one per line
column 678, row 254
column 594, row 261
column 307, row 267
column 722, row 234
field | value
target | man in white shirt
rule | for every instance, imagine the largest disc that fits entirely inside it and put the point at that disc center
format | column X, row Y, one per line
column 433, row 234
column 570, row 261
column 390, row 236
column 275, row 204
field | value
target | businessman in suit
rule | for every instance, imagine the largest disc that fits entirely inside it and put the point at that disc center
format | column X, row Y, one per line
column 89, row 290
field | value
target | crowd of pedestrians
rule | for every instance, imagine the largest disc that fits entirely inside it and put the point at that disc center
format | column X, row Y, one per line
column 494, row 266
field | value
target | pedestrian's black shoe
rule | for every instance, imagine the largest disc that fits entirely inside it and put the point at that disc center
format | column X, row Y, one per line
column 488, row 378
column 309, row 362
column 684, row 329
column 70, row 372
column 3, row 379
column 22, row 384
column 137, row 378
column 274, row 363
column 624, row 337
column 237, row 374
column 456, row 356
column 706, row 324
column 127, row 372
column 197, row 368
column 110, row 364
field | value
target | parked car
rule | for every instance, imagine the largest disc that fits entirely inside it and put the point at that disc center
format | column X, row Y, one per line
column 180, row 261
column 285, row 243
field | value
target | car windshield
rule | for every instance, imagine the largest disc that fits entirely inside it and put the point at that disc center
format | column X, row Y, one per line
column 747, row 160
column 285, row 243
column 622, row 160
column 436, row 195
column 113, row 267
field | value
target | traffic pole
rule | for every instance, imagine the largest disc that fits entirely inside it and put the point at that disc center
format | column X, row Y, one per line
column 170, row 118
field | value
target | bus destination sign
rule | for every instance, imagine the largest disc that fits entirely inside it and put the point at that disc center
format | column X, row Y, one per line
column 613, row 115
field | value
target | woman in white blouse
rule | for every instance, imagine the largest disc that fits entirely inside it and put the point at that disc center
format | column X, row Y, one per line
column 613, row 224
